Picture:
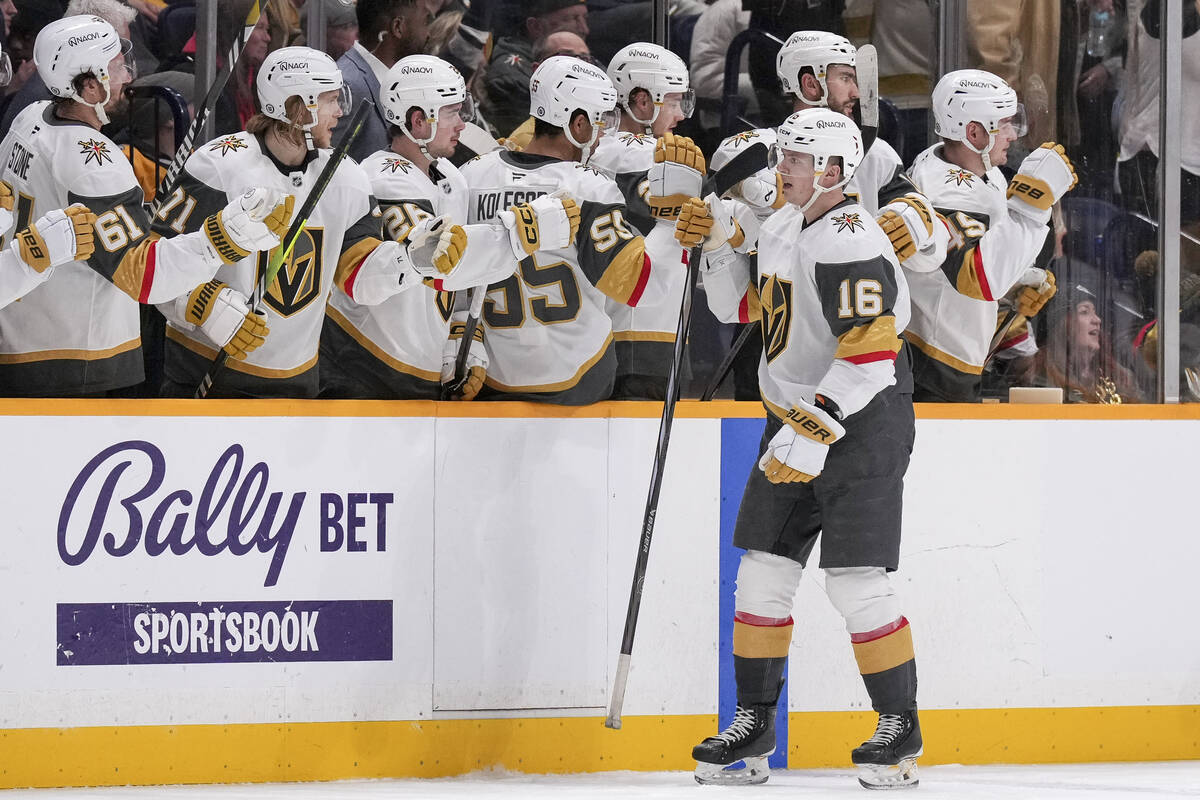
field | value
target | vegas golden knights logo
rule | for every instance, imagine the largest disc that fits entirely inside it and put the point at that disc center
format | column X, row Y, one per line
column 776, row 297
column 299, row 280
column 445, row 304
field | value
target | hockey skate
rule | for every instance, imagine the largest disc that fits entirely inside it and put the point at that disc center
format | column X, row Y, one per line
column 888, row 760
column 750, row 738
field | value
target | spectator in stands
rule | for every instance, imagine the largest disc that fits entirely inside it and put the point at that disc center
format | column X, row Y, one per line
column 513, row 60
column 562, row 43
column 711, row 38
column 151, row 132
column 287, row 26
column 1076, row 355
column 1138, row 161
column 341, row 26
column 114, row 12
column 388, row 30
column 781, row 18
column 19, row 48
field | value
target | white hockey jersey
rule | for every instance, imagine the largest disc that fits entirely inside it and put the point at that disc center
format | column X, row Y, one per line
column 954, row 308
column 79, row 331
column 344, row 227
column 645, row 335
column 546, row 325
column 832, row 300
column 407, row 332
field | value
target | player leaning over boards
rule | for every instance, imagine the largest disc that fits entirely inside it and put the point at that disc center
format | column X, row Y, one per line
column 78, row 332
column 819, row 70
column 836, row 447
column 997, row 229
column 284, row 149
column 548, row 335
column 656, row 172
column 405, row 347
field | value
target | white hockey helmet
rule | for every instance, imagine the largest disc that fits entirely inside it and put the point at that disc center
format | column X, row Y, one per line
column 824, row 135
column 655, row 69
column 74, row 46
column 973, row 95
column 298, row 72
column 562, row 85
column 427, row 83
column 762, row 190
column 5, row 69
column 815, row 50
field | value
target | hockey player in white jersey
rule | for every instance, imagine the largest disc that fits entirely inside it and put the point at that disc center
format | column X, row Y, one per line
column 549, row 337
column 839, row 433
column 656, row 171
column 405, row 347
column 996, row 228
column 284, row 149
column 78, row 332
column 819, row 70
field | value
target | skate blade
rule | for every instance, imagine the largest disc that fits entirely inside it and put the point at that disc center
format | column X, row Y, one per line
column 754, row 772
column 889, row 776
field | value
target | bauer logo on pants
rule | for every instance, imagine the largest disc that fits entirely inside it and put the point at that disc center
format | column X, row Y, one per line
column 92, row 634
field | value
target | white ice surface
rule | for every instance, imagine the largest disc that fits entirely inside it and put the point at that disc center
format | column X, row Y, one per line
column 1102, row 781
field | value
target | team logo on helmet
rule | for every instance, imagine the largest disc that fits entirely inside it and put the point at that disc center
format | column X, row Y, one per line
column 393, row 164
column 959, row 176
column 850, row 221
column 94, row 150
column 228, row 144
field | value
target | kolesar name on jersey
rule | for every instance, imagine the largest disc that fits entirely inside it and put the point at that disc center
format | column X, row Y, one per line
column 486, row 206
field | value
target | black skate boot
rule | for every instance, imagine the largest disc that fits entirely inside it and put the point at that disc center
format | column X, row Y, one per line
column 888, row 760
column 749, row 738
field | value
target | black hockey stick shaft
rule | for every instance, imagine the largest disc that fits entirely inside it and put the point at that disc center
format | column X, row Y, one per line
column 718, row 376
column 284, row 249
column 167, row 187
column 1006, row 322
column 464, row 347
column 656, row 475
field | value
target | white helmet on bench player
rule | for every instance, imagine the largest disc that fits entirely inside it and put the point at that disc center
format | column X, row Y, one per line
column 562, row 85
column 74, row 46
column 824, row 135
column 298, row 72
column 815, row 50
column 762, row 191
column 972, row 95
column 427, row 83
column 655, row 69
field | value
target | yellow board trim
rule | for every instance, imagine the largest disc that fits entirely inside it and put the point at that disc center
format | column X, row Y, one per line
column 325, row 751
column 615, row 409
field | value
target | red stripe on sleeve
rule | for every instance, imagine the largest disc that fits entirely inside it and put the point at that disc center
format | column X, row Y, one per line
column 744, row 308
column 868, row 358
column 438, row 284
column 352, row 277
column 984, row 289
column 643, row 279
column 148, row 274
column 879, row 633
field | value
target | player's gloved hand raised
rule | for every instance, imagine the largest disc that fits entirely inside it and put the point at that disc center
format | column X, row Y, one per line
column 251, row 222
column 908, row 221
column 796, row 453
column 707, row 221
column 549, row 222
column 6, row 207
column 436, row 246
column 1045, row 176
column 224, row 315
column 477, row 362
column 57, row 237
column 677, row 174
column 1038, row 286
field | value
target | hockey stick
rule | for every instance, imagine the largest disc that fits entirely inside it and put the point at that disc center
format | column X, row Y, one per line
column 284, row 249
column 478, row 294
column 718, row 376
column 656, row 474
column 867, row 73
column 167, row 187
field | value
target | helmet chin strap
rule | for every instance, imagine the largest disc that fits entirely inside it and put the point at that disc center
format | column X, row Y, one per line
column 423, row 144
column 819, row 190
column 101, row 114
column 647, row 124
column 586, row 148
column 985, row 153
